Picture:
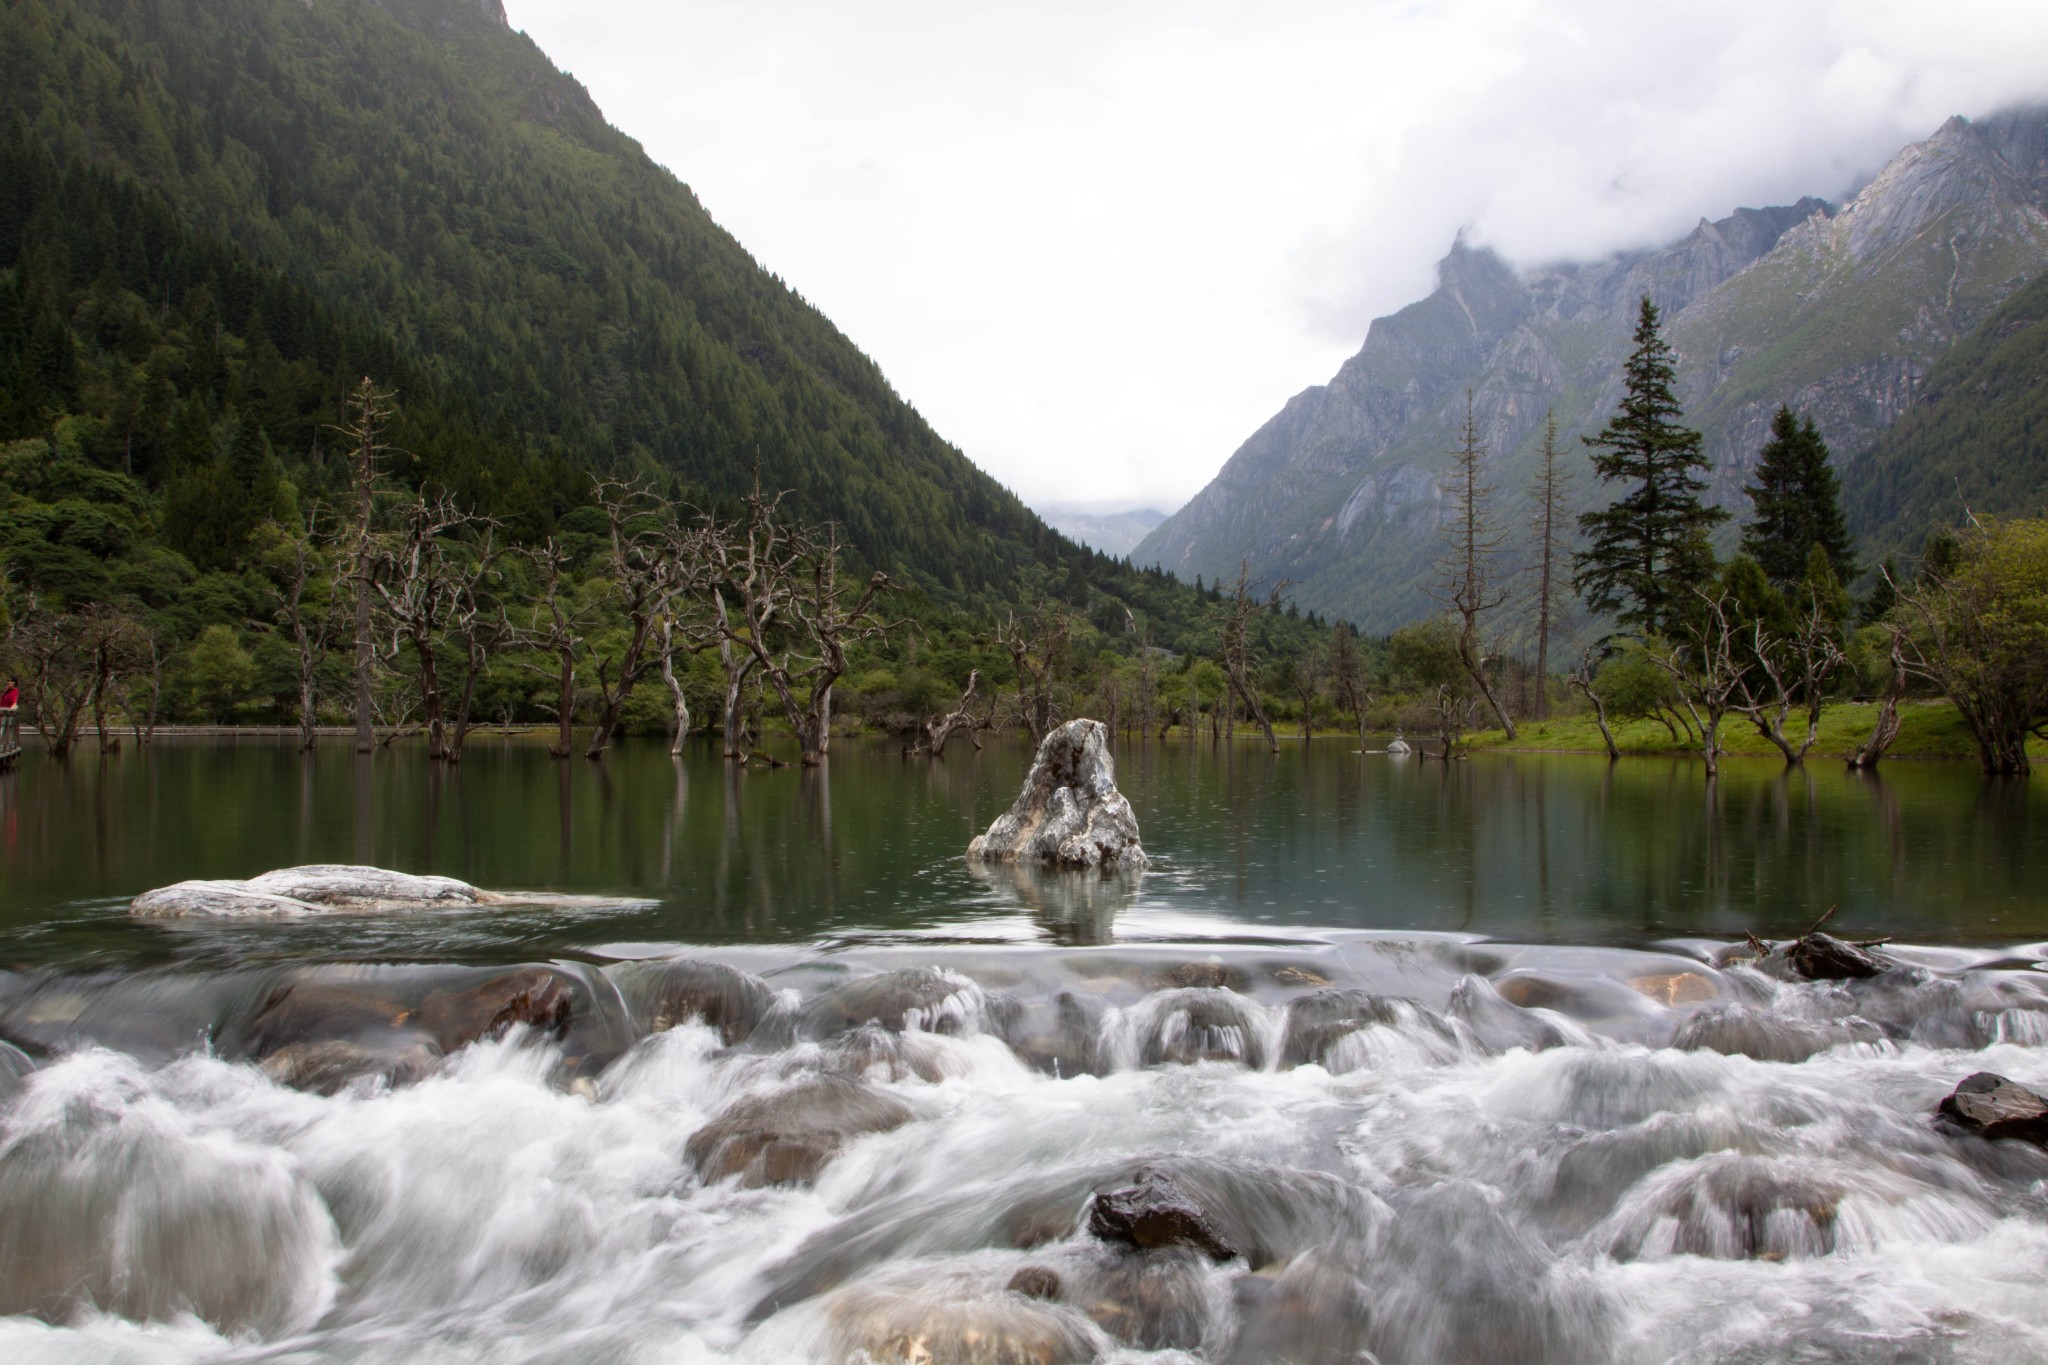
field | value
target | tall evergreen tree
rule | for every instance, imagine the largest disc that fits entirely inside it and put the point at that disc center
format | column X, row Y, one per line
column 1798, row 505
column 1640, row 546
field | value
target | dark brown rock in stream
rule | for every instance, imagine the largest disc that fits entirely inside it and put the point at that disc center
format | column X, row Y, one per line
column 1823, row 957
column 1035, row 1282
column 1991, row 1106
column 533, row 996
column 787, row 1137
column 1155, row 1212
column 726, row 998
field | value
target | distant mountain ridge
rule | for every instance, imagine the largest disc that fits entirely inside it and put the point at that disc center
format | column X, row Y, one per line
column 1839, row 312
column 1113, row 533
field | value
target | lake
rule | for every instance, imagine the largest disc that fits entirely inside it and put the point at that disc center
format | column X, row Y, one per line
column 1379, row 1060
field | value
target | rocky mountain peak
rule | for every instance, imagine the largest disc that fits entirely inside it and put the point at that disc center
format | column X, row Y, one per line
column 1837, row 311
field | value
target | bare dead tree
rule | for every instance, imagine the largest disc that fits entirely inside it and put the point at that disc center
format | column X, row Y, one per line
column 1788, row 671
column 301, row 612
column 751, row 570
column 1884, row 730
column 65, row 658
column 649, row 563
column 369, row 411
column 1584, row 681
column 1704, row 665
column 671, row 645
column 1309, row 672
column 1347, row 676
column 1240, row 660
column 1549, row 521
column 120, row 644
column 1038, row 644
column 555, row 626
column 1468, row 580
column 429, row 586
column 939, row 729
column 778, row 596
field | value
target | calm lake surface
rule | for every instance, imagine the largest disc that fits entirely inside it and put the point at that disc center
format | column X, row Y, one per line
column 1410, row 1065
column 1555, row 849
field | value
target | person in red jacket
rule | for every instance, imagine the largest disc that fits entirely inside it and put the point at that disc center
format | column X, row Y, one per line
column 10, row 698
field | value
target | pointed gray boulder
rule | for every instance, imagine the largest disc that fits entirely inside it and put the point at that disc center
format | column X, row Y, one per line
column 1070, row 813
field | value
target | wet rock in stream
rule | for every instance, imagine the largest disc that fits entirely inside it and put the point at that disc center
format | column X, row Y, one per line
column 15, row 1066
column 329, row 1066
column 321, row 1029
column 1823, row 957
column 661, row 995
column 1154, row 1212
column 1155, row 1301
column 1313, row 1311
column 890, row 1326
column 1199, row 1024
column 1769, row 1036
column 788, row 1136
column 1322, row 1028
column 925, row 999
column 1990, row 1106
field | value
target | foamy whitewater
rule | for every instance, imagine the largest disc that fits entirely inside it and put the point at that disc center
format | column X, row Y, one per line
column 1477, row 1152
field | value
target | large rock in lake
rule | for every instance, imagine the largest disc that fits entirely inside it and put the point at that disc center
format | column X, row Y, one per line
column 1070, row 813
column 317, row 889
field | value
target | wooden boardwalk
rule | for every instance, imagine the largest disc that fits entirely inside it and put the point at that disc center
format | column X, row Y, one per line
column 10, row 742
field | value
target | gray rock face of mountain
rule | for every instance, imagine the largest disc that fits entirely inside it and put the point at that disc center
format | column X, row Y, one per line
column 1838, row 312
column 1113, row 533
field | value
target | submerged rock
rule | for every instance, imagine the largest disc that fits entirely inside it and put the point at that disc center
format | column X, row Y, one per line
column 1069, row 813
column 1991, row 1106
column 889, row 1326
column 916, row 999
column 15, row 1066
column 787, row 1137
column 1312, row 1312
column 328, row 1067
column 1200, row 1024
column 316, row 889
column 1155, row 1212
column 1157, row 1301
column 1318, row 1024
column 1768, row 1037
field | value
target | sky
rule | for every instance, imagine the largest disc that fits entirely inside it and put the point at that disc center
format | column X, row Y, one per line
column 1098, row 244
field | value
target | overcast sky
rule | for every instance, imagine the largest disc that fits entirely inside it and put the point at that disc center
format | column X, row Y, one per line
column 1098, row 243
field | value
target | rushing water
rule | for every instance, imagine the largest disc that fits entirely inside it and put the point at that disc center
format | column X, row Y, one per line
column 1458, row 1065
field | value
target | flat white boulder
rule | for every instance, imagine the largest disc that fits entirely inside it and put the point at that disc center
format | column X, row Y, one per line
column 332, row 889
column 1069, row 813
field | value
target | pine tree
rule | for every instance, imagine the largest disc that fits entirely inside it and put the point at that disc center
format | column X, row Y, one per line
column 1798, row 505
column 1639, row 543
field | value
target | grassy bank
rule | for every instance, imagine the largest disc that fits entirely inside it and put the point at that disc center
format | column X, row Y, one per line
column 1926, row 730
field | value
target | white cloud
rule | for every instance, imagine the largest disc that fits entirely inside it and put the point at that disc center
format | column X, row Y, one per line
column 1098, row 244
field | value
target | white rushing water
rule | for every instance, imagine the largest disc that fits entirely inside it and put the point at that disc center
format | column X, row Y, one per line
column 1487, row 1153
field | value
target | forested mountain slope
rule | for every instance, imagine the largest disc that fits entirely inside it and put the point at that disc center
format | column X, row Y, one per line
column 1974, row 441
column 1839, row 312
column 216, row 213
